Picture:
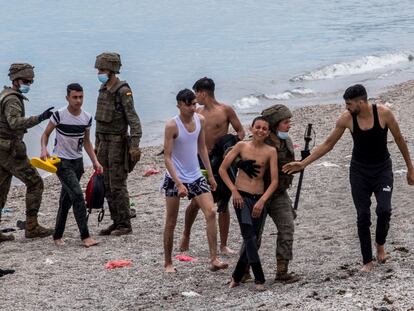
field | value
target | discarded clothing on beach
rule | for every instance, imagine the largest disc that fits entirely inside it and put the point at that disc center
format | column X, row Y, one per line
column 185, row 258
column 118, row 264
column 151, row 171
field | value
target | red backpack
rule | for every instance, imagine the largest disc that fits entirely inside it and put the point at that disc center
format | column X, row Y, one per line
column 95, row 194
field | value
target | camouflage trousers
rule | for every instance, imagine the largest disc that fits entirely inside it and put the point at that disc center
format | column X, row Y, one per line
column 14, row 162
column 111, row 155
column 279, row 208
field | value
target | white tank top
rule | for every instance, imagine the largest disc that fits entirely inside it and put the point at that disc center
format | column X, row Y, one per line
column 185, row 151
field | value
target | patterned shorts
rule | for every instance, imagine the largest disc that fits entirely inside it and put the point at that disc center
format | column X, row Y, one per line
column 194, row 189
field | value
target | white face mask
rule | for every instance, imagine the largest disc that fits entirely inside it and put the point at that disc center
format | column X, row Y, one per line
column 282, row 135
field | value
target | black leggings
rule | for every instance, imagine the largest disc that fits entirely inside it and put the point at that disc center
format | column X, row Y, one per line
column 250, row 230
column 365, row 181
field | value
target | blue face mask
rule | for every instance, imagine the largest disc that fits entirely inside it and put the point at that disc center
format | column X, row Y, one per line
column 103, row 78
column 24, row 88
column 282, row 135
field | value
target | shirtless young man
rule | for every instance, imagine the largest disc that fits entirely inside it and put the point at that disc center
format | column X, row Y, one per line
column 184, row 139
column 371, row 166
column 248, row 197
column 218, row 117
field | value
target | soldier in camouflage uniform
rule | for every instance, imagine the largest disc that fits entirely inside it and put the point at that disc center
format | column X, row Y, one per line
column 116, row 151
column 279, row 206
column 13, row 157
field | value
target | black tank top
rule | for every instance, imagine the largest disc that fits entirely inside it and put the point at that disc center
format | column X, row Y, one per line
column 370, row 146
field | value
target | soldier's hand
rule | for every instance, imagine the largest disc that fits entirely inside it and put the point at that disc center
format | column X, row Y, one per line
column 249, row 167
column 237, row 199
column 46, row 114
column 257, row 209
column 135, row 154
column 292, row 167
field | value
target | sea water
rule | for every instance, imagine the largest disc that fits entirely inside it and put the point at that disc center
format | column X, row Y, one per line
column 259, row 53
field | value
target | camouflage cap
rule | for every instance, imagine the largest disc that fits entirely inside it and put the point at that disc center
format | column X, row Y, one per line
column 275, row 114
column 108, row 61
column 21, row 71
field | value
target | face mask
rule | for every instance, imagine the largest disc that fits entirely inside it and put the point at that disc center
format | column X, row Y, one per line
column 24, row 88
column 282, row 135
column 103, row 78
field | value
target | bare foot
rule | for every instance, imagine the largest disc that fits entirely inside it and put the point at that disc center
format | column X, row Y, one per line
column 216, row 265
column 381, row 254
column 88, row 242
column 367, row 267
column 59, row 242
column 170, row 269
column 260, row 287
column 233, row 284
column 227, row 250
column 185, row 243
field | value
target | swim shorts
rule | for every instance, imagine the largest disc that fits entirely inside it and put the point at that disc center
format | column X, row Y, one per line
column 194, row 188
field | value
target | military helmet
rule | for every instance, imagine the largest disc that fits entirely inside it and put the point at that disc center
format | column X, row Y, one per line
column 21, row 71
column 108, row 61
column 275, row 114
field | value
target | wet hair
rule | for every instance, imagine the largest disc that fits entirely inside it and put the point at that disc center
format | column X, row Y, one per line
column 73, row 87
column 186, row 96
column 260, row 118
column 205, row 84
column 356, row 91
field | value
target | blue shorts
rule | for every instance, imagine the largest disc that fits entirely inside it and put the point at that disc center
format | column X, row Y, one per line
column 194, row 188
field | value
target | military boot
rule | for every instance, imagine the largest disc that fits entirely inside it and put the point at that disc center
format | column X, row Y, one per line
column 122, row 230
column 34, row 230
column 108, row 230
column 6, row 237
column 282, row 274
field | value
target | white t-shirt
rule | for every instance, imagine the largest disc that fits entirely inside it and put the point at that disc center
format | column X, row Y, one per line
column 70, row 132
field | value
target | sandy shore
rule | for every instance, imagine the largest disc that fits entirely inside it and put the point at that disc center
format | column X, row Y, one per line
column 326, row 247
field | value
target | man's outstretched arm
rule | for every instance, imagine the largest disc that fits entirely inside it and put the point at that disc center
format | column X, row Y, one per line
column 321, row 150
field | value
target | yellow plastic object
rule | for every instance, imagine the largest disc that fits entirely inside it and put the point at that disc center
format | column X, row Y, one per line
column 48, row 165
column 204, row 173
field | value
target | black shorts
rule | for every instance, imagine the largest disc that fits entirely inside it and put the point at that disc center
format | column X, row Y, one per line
column 222, row 194
column 194, row 188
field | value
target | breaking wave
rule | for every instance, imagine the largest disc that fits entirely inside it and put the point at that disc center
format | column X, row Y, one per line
column 358, row 66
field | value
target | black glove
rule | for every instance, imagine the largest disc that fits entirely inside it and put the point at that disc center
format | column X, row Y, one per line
column 249, row 167
column 46, row 114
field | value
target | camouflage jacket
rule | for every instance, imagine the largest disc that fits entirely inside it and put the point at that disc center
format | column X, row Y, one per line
column 13, row 123
column 115, row 112
column 285, row 154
